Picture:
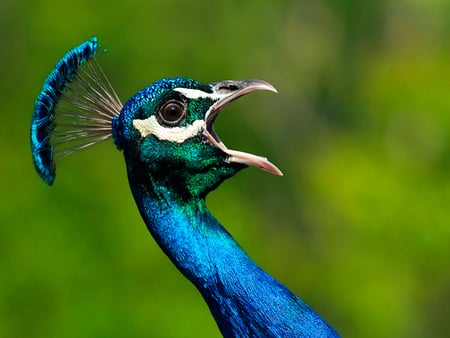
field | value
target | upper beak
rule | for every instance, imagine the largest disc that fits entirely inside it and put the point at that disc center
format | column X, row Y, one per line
column 226, row 92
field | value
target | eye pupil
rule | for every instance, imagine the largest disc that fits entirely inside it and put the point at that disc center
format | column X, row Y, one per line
column 172, row 112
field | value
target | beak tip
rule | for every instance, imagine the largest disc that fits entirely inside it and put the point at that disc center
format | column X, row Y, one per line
column 273, row 89
column 275, row 171
column 269, row 167
column 266, row 86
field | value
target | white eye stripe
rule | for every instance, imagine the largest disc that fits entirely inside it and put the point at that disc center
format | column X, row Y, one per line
column 150, row 126
column 199, row 94
column 192, row 93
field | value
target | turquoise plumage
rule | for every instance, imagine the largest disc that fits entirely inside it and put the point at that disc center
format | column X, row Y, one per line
column 174, row 159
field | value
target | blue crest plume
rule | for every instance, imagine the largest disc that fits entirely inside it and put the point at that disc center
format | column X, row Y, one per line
column 73, row 110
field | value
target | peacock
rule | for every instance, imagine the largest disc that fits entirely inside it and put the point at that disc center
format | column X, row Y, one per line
column 173, row 158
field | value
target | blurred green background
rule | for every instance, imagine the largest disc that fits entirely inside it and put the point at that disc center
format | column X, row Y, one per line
column 359, row 226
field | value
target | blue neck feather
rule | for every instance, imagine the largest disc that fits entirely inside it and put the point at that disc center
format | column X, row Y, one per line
column 244, row 300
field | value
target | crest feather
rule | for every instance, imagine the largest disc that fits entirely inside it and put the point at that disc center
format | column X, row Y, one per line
column 74, row 109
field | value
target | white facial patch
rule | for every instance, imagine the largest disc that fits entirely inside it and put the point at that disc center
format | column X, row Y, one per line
column 150, row 126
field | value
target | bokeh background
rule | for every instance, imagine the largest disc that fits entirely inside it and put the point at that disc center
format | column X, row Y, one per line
column 359, row 226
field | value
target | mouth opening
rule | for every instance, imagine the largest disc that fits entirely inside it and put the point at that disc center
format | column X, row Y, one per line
column 226, row 92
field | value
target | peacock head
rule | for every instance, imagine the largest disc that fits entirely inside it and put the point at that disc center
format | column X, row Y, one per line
column 166, row 130
column 167, row 134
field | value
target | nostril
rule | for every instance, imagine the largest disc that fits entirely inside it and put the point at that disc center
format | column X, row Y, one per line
column 228, row 86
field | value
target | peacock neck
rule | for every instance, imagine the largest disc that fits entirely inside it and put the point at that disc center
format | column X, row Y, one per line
column 187, row 232
column 244, row 300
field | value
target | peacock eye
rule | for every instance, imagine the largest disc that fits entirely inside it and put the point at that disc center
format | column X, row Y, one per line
column 172, row 113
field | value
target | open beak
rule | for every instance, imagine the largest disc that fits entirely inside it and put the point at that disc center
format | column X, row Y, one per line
column 226, row 92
